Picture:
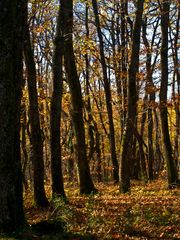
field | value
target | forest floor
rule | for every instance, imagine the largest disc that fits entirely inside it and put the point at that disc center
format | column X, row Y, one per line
column 151, row 211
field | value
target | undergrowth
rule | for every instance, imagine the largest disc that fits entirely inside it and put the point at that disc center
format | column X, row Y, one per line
column 149, row 212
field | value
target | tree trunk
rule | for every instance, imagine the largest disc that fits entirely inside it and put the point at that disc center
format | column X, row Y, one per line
column 36, row 134
column 150, row 92
column 176, row 91
column 25, row 159
column 125, row 160
column 107, row 94
column 11, row 200
column 150, row 146
column 124, row 57
column 88, row 104
column 172, row 173
column 86, row 184
column 143, row 121
column 55, row 122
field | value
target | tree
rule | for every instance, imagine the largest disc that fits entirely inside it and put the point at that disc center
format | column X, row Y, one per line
column 107, row 56
column 125, row 160
column 176, row 81
column 36, row 132
column 86, row 184
column 172, row 171
column 55, row 121
column 88, row 104
column 149, row 93
column 11, row 207
column 93, row 132
column 107, row 90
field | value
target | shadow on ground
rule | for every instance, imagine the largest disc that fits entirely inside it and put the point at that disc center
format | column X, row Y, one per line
column 47, row 230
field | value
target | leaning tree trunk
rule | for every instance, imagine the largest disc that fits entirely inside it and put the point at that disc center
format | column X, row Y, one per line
column 55, row 121
column 125, row 160
column 107, row 89
column 36, row 134
column 11, row 200
column 172, row 173
column 86, row 184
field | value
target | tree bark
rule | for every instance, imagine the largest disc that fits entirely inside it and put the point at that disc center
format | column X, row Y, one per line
column 124, row 59
column 107, row 89
column 125, row 160
column 151, row 94
column 172, row 172
column 86, row 184
column 11, row 42
column 176, row 91
column 36, row 132
column 55, row 121
column 88, row 104
column 25, row 159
